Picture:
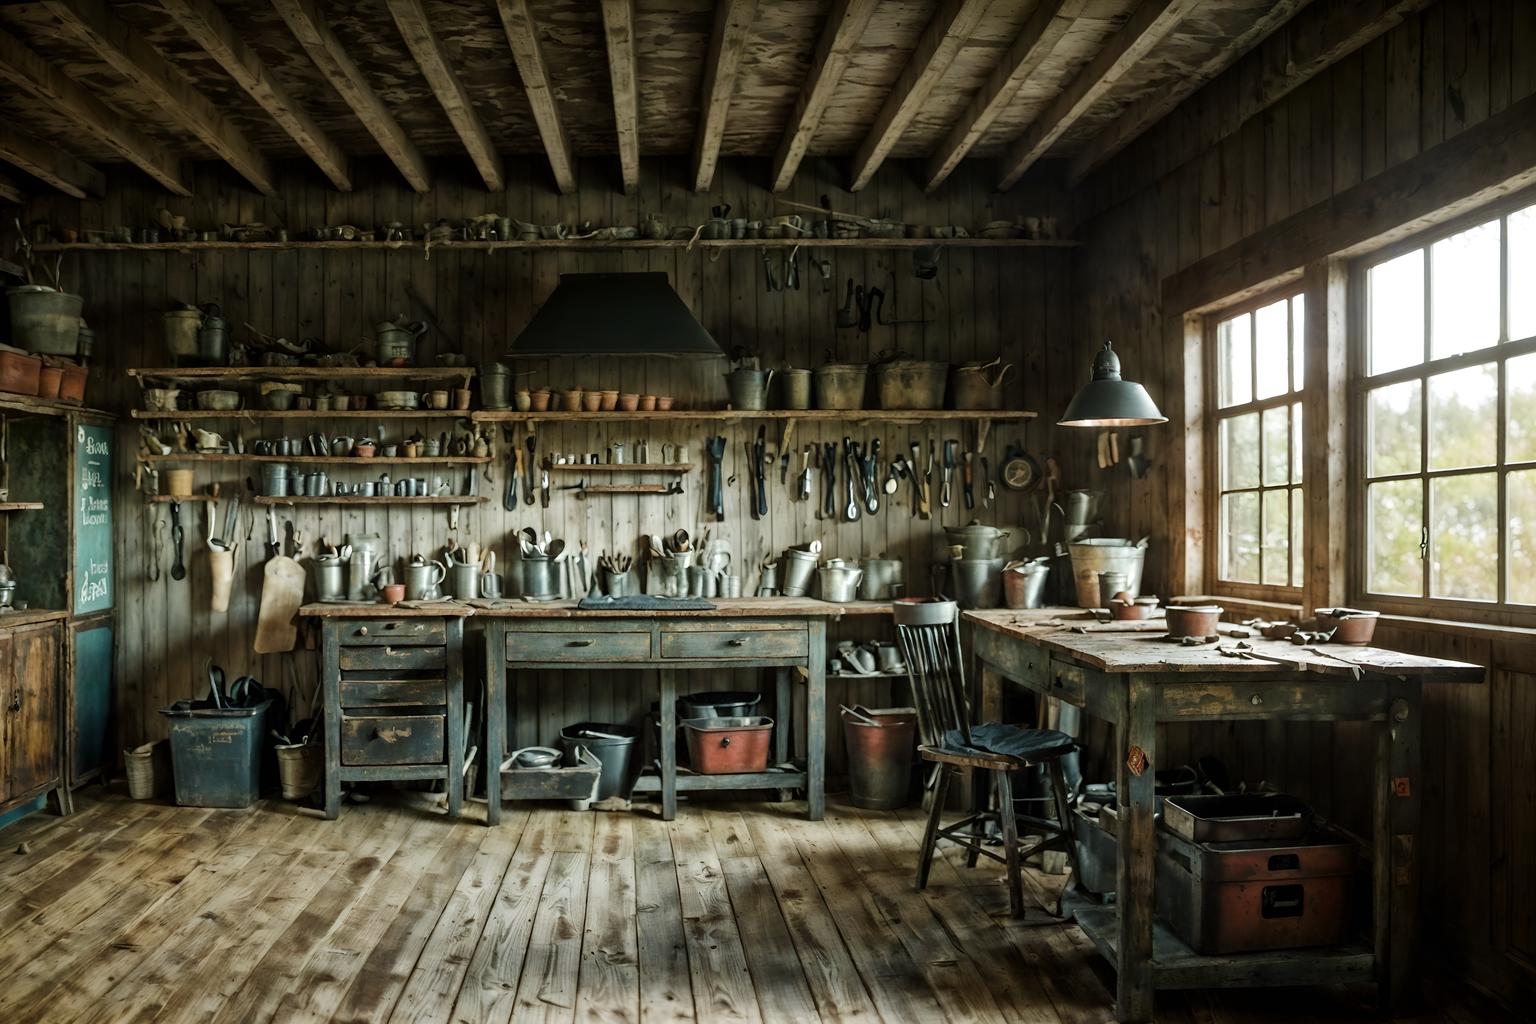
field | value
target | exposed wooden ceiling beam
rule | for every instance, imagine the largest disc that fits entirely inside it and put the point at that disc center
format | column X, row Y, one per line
column 312, row 31
column 523, row 38
column 10, row 191
column 941, row 41
column 845, row 24
column 733, row 24
column 47, row 162
column 37, row 77
column 1148, row 25
column 1316, row 39
column 1147, row 111
column 619, row 30
column 129, row 55
column 202, row 20
column 1029, row 48
column 416, row 29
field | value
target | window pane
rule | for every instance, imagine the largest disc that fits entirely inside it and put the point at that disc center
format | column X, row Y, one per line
column 1464, row 536
column 1240, row 451
column 1277, row 536
column 1297, row 518
column 1522, row 271
column 1298, row 336
column 1520, row 412
column 1272, row 349
column 1240, row 537
column 1464, row 296
column 1396, row 515
column 1463, row 426
column 1393, row 426
column 1520, row 506
column 1277, row 443
column 1234, row 350
column 1396, row 295
column 1296, row 443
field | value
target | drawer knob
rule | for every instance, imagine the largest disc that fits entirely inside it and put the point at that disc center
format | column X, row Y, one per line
column 739, row 641
column 362, row 630
column 579, row 643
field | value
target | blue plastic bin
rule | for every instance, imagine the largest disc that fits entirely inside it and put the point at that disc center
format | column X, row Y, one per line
column 216, row 753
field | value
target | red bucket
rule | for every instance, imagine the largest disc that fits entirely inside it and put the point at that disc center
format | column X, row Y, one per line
column 728, row 746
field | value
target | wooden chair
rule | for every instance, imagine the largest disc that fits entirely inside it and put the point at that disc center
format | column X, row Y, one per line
column 929, row 632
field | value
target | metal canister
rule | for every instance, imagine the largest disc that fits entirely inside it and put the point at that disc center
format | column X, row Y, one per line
column 274, row 479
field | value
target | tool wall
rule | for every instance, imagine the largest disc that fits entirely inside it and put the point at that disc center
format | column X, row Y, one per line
column 981, row 303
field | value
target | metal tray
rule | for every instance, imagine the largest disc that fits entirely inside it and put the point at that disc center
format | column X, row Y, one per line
column 1233, row 818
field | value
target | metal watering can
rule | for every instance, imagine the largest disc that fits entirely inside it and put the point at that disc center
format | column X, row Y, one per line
column 748, row 388
column 423, row 579
column 395, row 341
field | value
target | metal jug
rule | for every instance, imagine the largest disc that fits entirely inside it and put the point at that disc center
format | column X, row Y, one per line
column 395, row 341
column 464, row 581
column 422, row 579
column 882, row 579
column 330, row 578
column 839, row 581
column 749, row 388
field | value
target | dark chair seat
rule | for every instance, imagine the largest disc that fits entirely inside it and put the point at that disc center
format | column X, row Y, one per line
column 1030, row 746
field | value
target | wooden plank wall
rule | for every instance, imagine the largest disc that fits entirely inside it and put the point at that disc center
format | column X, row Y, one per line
column 1420, row 84
column 984, row 302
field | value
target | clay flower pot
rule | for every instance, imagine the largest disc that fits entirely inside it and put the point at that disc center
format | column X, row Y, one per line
column 610, row 400
column 629, row 403
column 647, row 403
column 663, row 403
column 572, row 399
column 592, row 401
column 539, row 400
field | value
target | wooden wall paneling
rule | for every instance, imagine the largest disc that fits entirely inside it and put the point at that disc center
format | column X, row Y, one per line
column 1434, row 73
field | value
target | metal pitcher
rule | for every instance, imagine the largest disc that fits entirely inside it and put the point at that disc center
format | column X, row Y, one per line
column 748, row 388
column 882, row 579
column 396, row 341
column 839, row 581
column 422, row 579
column 464, row 581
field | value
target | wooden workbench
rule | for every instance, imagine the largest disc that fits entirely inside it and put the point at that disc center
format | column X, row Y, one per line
column 784, row 634
column 1134, row 680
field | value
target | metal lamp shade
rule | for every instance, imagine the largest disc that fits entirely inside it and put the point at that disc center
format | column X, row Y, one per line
column 1109, row 401
column 634, row 314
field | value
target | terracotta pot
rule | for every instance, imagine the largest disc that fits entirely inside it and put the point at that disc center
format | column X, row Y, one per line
column 1123, row 608
column 572, row 399
column 610, row 400
column 364, row 451
column 1196, row 620
column 663, row 403
column 629, row 403
column 1349, row 625
column 461, row 398
column 592, row 401
column 392, row 593
column 539, row 400
column 647, row 403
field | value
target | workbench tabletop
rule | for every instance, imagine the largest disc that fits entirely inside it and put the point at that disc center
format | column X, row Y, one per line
column 30, row 617
column 733, row 608
column 1143, row 648
column 376, row 610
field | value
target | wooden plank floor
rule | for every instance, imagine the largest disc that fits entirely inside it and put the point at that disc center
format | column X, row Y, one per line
column 734, row 912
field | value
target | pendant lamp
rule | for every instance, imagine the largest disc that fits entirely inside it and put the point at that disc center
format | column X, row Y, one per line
column 1109, row 401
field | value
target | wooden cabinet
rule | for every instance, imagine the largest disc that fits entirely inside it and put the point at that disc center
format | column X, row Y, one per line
column 32, row 706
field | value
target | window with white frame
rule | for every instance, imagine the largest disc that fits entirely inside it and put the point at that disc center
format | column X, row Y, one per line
column 1256, row 425
column 1448, row 410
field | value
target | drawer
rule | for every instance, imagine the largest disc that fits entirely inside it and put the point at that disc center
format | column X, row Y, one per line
column 716, row 643
column 392, row 739
column 1067, row 681
column 399, row 632
column 597, row 644
column 372, row 693
column 392, row 657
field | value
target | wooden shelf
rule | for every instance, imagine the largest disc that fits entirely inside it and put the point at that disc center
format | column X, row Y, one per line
column 323, row 460
column 376, row 499
column 293, row 374
column 21, row 506
column 626, row 467
column 732, row 415
column 34, row 406
column 565, row 245
column 302, row 414
column 169, row 499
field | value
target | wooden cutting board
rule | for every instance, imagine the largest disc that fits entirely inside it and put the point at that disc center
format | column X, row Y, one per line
column 282, row 592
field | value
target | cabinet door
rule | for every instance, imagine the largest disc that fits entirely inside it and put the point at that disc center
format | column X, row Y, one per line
column 32, row 707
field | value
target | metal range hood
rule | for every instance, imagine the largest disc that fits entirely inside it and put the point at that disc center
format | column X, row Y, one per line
column 634, row 314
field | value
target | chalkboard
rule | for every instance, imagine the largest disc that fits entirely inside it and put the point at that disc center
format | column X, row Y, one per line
column 93, row 519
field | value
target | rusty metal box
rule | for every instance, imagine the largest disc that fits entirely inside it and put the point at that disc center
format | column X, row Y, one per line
column 1250, row 895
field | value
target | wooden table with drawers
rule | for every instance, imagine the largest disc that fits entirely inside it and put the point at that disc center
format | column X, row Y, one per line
column 393, row 682
column 782, row 633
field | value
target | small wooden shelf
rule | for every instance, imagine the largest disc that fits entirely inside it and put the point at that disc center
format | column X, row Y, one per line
column 566, row 245
column 733, row 415
column 21, row 506
column 303, row 414
column 171, row 499
column 293, row 374
column 324, row 460
column 375, row 499
column 626, row 467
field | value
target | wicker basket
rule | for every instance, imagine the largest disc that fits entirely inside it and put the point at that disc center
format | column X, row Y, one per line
column 149, row 770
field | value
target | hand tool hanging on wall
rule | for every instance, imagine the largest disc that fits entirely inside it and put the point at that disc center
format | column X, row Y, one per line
column 282, row 591
column 805, row 472
column 514, row 474
column 530, row 467
column 868, row 474
column 986, row 474
column 221, row 550
column 178, row 567
column 851, row 511
column 920, row 495
column 543, row 483
column 760, row 462
column 770, row 281
column 968, row 478
column 950, row 448
column 715, row 446
column 829, row 480
column 848, row 314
